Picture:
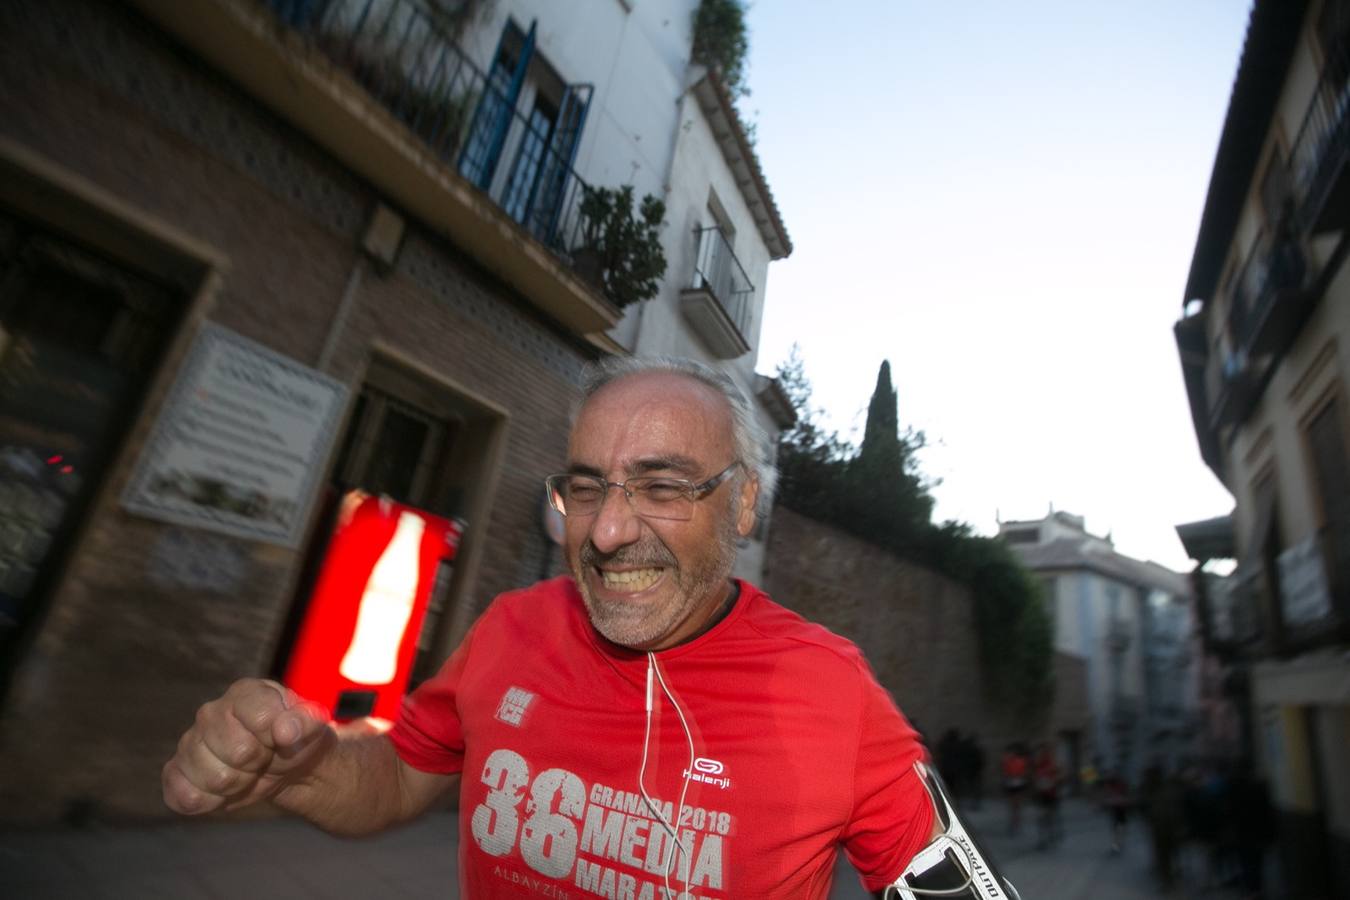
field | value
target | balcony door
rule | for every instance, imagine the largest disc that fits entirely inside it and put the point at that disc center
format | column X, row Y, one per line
column 531, row 116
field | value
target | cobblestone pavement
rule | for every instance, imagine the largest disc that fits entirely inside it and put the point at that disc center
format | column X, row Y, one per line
column 288, row 860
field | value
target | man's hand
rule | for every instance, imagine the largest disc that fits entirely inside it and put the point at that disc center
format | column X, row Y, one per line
column 245, row 747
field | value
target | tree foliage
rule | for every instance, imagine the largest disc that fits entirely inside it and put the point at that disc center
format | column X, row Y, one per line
column 630, row 257
column 878, row 493
column 722, row 41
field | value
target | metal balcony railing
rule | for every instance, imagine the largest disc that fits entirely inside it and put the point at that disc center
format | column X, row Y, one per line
column 403, row 52
column 719, row 272
column 1323, row 139
column 1272, row 268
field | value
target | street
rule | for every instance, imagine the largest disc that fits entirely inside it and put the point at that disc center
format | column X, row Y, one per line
column 1080, row 867
column 287, row 860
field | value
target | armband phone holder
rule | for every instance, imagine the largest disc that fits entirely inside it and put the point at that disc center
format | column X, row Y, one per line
column 951, row 864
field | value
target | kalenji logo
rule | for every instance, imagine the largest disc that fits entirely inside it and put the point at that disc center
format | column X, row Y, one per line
column 706, row 771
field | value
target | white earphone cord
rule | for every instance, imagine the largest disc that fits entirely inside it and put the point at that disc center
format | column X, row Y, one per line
column 642, row 772
column 679, row 811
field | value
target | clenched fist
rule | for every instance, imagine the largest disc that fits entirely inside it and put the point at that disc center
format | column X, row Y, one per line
column 245, row 747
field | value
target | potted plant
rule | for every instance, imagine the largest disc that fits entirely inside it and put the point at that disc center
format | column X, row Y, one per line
column 620, row 252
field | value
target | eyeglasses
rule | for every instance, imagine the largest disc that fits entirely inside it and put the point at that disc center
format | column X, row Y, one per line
column 651, row 497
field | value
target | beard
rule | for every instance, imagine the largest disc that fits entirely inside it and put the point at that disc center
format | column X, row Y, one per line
column 639, row 624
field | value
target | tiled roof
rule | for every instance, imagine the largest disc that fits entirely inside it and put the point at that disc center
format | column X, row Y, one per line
column 715, row 101
column 1067, row 553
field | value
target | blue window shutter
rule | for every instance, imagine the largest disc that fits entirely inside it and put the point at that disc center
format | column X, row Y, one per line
column 482, row 150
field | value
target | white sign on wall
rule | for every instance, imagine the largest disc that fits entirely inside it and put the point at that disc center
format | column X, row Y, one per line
column 1304, row 597
column 241, row 443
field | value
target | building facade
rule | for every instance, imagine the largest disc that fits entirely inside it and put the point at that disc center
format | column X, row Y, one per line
column 1129, row 622
column 1263, row 341
column 647, row 117
column 259, row 258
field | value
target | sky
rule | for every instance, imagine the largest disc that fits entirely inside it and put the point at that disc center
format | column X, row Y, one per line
column 1001, row 198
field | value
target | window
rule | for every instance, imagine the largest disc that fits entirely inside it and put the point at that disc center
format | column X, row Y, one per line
column 529, row 158
column 1274, row 187
column 1324, row 434
column 541, row 142
column 1264, row 544
column 487, row 134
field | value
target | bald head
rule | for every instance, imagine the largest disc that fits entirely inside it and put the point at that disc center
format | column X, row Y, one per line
column 651, row 581
column 748, row 438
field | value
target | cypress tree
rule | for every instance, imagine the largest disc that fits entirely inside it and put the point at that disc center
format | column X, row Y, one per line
column 881, row 454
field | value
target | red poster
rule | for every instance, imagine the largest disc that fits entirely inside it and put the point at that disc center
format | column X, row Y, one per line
column 355, row 648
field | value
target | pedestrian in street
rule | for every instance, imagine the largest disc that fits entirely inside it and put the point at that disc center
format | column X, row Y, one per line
column 1015, row 769
column 647, row 693
column 1161, row 798
column 1047, row 779
column 1201, row 800
column 973, row 752
column 1254, row 828
column 950, row 763
column 1089, row 777
column 1116, row 798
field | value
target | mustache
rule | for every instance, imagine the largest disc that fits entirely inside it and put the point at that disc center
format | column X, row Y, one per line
column 645, row 553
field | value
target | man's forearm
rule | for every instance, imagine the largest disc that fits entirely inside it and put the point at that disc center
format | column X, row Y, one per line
column 355, row 788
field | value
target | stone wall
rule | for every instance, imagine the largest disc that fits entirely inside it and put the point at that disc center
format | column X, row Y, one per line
column 915, row 626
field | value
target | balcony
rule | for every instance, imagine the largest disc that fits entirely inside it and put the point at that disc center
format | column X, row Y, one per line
column 382, row 86
column 1321, row 150
column 404, row 53
column 1271, row 284
column 1269, row 306
column 719, row 301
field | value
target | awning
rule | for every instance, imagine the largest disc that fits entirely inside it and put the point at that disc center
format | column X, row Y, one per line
column 1208, row 539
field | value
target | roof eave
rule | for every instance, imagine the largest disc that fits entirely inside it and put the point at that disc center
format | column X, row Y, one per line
column 1272, row 32
column 715, row 101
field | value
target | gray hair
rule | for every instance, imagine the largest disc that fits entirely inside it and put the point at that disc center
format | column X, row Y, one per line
column 748, row 439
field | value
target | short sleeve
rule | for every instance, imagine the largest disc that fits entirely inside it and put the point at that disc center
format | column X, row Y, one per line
column 892, row 815
column 429, row 734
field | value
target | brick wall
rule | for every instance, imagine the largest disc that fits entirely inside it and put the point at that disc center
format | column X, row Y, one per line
column 149, row 620
column 916, row 627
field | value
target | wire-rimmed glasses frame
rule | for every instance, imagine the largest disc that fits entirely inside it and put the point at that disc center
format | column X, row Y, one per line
column 650, row 496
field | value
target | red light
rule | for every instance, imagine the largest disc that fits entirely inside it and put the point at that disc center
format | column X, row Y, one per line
column 53, row 460
column 66, row 470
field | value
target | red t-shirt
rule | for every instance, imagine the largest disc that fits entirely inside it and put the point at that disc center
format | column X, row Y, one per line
column 797, row 750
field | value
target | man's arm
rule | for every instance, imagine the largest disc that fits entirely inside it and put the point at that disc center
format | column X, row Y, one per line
column 362, row 786
column 261, row 742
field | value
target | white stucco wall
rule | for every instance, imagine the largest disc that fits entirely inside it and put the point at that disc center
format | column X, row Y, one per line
column 644, row 128
column 699, row 169
column 635, row 61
